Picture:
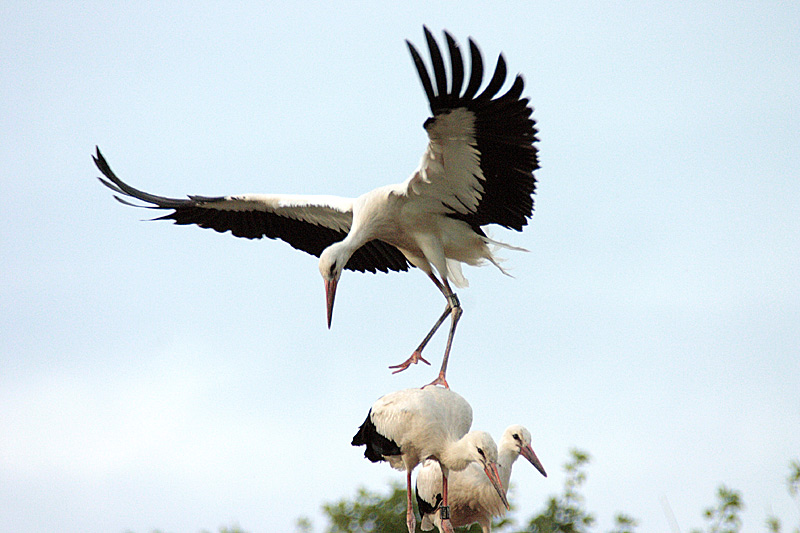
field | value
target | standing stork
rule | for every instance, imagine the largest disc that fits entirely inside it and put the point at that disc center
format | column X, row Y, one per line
column 408, row 426
column 472, row 498
column 476, row 170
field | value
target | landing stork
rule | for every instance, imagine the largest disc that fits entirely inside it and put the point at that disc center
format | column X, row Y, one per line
column 476, row 170
column 471, row 497
column 409, row 426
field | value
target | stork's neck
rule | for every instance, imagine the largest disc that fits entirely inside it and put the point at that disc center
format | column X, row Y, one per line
column 456, row 456
column 505, row 461
column 375, row 215
column 365, row 223
column 345, row 248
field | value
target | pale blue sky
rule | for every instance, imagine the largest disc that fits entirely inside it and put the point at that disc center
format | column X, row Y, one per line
column 154, row 376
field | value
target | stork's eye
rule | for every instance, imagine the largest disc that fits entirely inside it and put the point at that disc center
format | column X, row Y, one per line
column 516, row 437
column 480, row 452
column 333, row 269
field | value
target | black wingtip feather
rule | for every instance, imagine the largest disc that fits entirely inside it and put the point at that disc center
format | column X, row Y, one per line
column 439, row 72
column 457, row 63
column 498, row 78
column 422, row 72
column 476, row 77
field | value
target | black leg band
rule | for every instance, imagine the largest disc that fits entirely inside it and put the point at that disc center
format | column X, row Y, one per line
column 453, row 301
column 445, row 512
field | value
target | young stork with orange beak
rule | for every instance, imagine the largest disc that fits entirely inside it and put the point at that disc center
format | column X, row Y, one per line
column 472, row 498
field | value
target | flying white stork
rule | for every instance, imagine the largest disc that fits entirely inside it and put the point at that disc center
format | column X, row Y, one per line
column 471, row 497
column 476, row 170
column 408, row 426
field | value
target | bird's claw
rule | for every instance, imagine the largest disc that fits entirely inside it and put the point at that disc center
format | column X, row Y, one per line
column 411, row 524
column 447, row 527
column 414, row 359
column 439, row 381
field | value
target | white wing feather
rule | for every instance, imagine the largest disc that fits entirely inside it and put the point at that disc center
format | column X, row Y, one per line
column 450, row 171
column 333, row 212
column 417, row 415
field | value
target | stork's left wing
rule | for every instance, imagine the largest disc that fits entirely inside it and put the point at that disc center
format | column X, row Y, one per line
column 309, row 223
column 481, row 157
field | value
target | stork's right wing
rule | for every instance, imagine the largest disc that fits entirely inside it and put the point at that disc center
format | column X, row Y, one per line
column 307, row 223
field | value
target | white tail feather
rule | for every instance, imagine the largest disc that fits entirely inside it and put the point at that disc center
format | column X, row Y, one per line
column 498, row 244
column 496, row 260
column 455, row 275
column 427, row 523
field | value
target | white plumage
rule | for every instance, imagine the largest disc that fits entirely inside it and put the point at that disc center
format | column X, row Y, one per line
column 471, row 497
column 409, row 426
column 476, row 170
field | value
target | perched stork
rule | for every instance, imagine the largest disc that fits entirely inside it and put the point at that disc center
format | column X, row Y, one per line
column 476, row 170
column 408, row 426
column 471, row 497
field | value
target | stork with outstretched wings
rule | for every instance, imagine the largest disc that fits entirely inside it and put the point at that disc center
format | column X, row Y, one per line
column 476, row 170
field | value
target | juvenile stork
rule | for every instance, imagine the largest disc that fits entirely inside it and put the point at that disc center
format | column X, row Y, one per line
column 409, row 426
column 476, row 170
column 471, row 497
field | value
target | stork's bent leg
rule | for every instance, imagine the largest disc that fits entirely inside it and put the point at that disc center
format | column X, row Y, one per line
column 410, row 519
column 455, row 313
column 417, row 355
column 452, row 301
column 440, row 379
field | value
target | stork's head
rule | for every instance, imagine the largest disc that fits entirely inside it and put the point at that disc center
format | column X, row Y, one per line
column 483, row 450
column 331, row 264
column 518, row 438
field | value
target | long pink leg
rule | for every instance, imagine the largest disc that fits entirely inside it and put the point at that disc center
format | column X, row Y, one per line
column 411, row 521
column 454, row 310
column 444, row 510
column 417, row 355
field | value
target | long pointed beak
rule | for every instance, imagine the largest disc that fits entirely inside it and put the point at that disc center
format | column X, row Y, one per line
column 330, row 294
column 527, row 453
column 494, row 477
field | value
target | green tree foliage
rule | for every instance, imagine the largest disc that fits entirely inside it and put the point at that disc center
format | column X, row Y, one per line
column 369, row 512
column 793, row 487
column 724, row 517
column 793, row 483
column 566, row 513
column 624, row 524
column 793, row 480
column 773, row 524
column 372, row 512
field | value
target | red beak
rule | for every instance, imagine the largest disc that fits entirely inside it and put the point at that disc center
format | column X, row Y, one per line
column 494, row 477
column 330, row 294
column 527, row 453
